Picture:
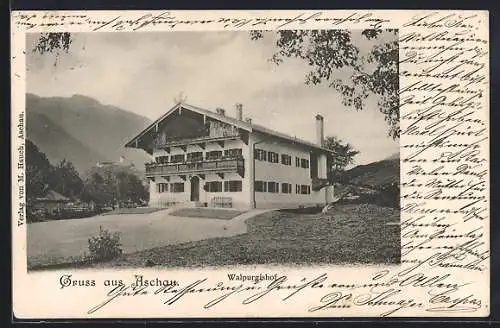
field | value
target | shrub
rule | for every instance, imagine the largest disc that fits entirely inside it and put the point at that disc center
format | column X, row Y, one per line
column 105, row 246
column 390, row 195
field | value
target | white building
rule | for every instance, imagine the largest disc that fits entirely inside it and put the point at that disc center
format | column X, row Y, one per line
column 210, row 159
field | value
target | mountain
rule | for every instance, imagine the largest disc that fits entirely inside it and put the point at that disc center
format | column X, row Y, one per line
column 57, row 143
column 375, row 183
column 394, row 156
column 375, row 174
column 82, row 130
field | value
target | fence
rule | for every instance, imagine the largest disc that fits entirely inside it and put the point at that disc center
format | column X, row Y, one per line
column 225, row 202
column 70, row 212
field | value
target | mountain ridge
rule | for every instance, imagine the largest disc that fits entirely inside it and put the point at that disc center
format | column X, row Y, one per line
column 83, row 130
column 376, row 174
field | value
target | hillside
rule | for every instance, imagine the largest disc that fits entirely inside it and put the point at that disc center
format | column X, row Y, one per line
column 375, row 174
column 57, row 144
column 82, row 130
column 376, row 183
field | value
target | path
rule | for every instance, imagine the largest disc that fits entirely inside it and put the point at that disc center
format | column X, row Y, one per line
column 48, row 242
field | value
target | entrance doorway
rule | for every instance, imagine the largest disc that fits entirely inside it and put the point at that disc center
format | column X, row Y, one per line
column 195, row 189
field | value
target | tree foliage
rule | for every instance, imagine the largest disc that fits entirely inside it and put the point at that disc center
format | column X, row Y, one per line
column 66, row 180
column 109, row 185
column 53, row 42
column 344, row 156
column 329, row 51
column 38, row 171
column 344, row 152
column 99, row 189
column 41, row 175
column 104, row 185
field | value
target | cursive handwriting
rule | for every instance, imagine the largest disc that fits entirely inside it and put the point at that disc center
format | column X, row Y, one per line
column 171, row 21
column 444, row 165
column 444, row 129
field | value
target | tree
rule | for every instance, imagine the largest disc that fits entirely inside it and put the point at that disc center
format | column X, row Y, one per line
column 329, row 51
column 97, row 190
column 38, row 169
column 53, row 42
column 130, row 187
column 66, row 180
column 109, row 185
column 42, row 176
column 344, row 156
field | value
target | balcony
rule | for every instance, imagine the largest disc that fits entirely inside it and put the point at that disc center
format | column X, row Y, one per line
column 198, row 141
column 219, row 166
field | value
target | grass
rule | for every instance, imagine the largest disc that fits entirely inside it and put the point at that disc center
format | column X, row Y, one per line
column 135, row 210
column 208, row 213
column 57, row 242
column 347, row 234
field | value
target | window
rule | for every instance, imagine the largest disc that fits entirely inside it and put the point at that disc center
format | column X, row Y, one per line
column 297, row 162
column 177, row 158
column 260, row 155
column 162, row 187
column 162, row 159
column 214, row 154
column 286, row 159
column 260, row 186
column 273, row 187
column 214, row 186
column 235, row 152
column 286, row 188
column 272, row 157
column 194, row 157
column 177, row 187
column 233, row 186
column 305, row 189
column 302, row 189
column 304, row 163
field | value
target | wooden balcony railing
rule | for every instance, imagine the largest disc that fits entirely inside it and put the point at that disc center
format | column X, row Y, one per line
column 159, row 143
column 222, row 165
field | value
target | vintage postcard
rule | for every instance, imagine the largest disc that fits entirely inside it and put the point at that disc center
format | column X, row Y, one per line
column 238, row 164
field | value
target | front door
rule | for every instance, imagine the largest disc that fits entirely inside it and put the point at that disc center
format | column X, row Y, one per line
column 195, row 189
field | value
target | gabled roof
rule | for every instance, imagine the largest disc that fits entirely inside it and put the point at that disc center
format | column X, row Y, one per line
column 229, row 120
column 53, row 196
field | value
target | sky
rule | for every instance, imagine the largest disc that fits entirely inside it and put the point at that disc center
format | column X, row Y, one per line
column 145, row 72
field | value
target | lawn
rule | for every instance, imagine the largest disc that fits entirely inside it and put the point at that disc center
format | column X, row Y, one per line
column 346, row 234
column 62, row 242
column 207, row 213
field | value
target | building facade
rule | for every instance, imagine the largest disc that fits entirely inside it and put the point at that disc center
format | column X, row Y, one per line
column 206, row 158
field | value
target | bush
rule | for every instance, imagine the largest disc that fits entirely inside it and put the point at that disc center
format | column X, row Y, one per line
column 105, row 246
column 390, row 195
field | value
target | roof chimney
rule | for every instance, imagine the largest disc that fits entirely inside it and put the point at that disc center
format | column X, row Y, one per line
column 320, row 134
column 248, row 120
column 220, row 111
column 239, row 112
